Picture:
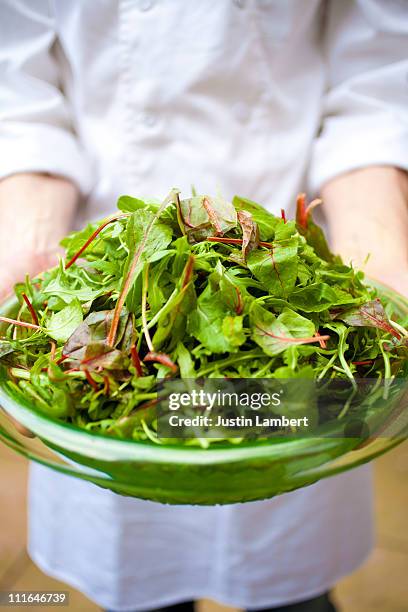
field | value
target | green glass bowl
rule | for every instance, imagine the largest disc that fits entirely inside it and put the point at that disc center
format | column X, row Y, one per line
column 190, row 475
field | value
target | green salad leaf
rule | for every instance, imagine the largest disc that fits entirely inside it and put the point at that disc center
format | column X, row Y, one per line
column 191, row 288
column 62, row 324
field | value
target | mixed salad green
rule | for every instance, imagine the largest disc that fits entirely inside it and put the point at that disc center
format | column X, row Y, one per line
column 190, row 288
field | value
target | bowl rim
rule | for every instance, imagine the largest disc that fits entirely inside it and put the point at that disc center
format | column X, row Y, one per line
column 95, row 445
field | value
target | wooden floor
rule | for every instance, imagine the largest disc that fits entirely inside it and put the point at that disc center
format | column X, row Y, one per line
column 380, row 586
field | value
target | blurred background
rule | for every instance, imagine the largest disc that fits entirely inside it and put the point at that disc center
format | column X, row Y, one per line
column 380, row 585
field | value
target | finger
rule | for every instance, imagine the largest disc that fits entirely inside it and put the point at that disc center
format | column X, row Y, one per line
column 31, row 264
column 19, row 427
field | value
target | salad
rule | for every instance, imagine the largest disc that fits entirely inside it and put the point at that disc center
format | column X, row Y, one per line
column 189, row 289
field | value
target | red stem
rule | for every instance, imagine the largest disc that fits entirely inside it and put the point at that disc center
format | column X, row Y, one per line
column 366, row 362
column 188, row 271
column 322, row 342
column 21, row 323
column 92, row 238
column 212, row 215
column 283, row 215
column 31, row 309
column 136, row 360
column 52, row 357
column 53, row 349
column 295, row 340
column 236, row 241
column 148, row 404
column 240, row 305
column 225, row 240
column 303, row 211
column 91, row 381
column 128, row 280
column 161, row 358
column 301, row 216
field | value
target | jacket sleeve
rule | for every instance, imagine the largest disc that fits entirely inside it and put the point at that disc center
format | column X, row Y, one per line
column 36, row 132
column 365, row 108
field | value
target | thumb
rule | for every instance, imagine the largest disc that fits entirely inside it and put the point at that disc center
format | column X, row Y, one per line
column 31, row 264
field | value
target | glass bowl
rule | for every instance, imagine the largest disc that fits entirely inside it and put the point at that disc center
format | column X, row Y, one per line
column 178, row 474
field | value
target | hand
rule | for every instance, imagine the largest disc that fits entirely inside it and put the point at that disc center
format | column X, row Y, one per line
column 397, row 280
column 367, row 212
column 36, row 211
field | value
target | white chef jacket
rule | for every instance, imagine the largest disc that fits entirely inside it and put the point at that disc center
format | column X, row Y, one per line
column 258, row 97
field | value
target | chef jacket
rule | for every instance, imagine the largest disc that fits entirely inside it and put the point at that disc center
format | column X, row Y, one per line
column 263, row 98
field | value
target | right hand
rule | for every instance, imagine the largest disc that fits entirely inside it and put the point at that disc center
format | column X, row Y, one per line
column 36, row 212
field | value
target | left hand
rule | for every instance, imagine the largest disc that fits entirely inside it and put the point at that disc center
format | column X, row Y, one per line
column 367, row 211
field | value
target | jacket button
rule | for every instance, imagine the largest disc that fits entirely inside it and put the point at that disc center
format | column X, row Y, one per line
column 241, row 111
column 146, row 5
column 148, row 119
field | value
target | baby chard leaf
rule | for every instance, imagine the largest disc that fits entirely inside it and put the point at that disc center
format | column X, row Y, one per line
column 370, row 314
column 275, row 334
column 94, row 328
column 276, row 267
column 265, row 220
column 233, row 291
column 232, row 329
column 202, row 216
column 250, row 233
column 98, row 356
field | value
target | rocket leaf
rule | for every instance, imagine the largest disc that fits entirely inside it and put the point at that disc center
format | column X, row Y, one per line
column 63, row 324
